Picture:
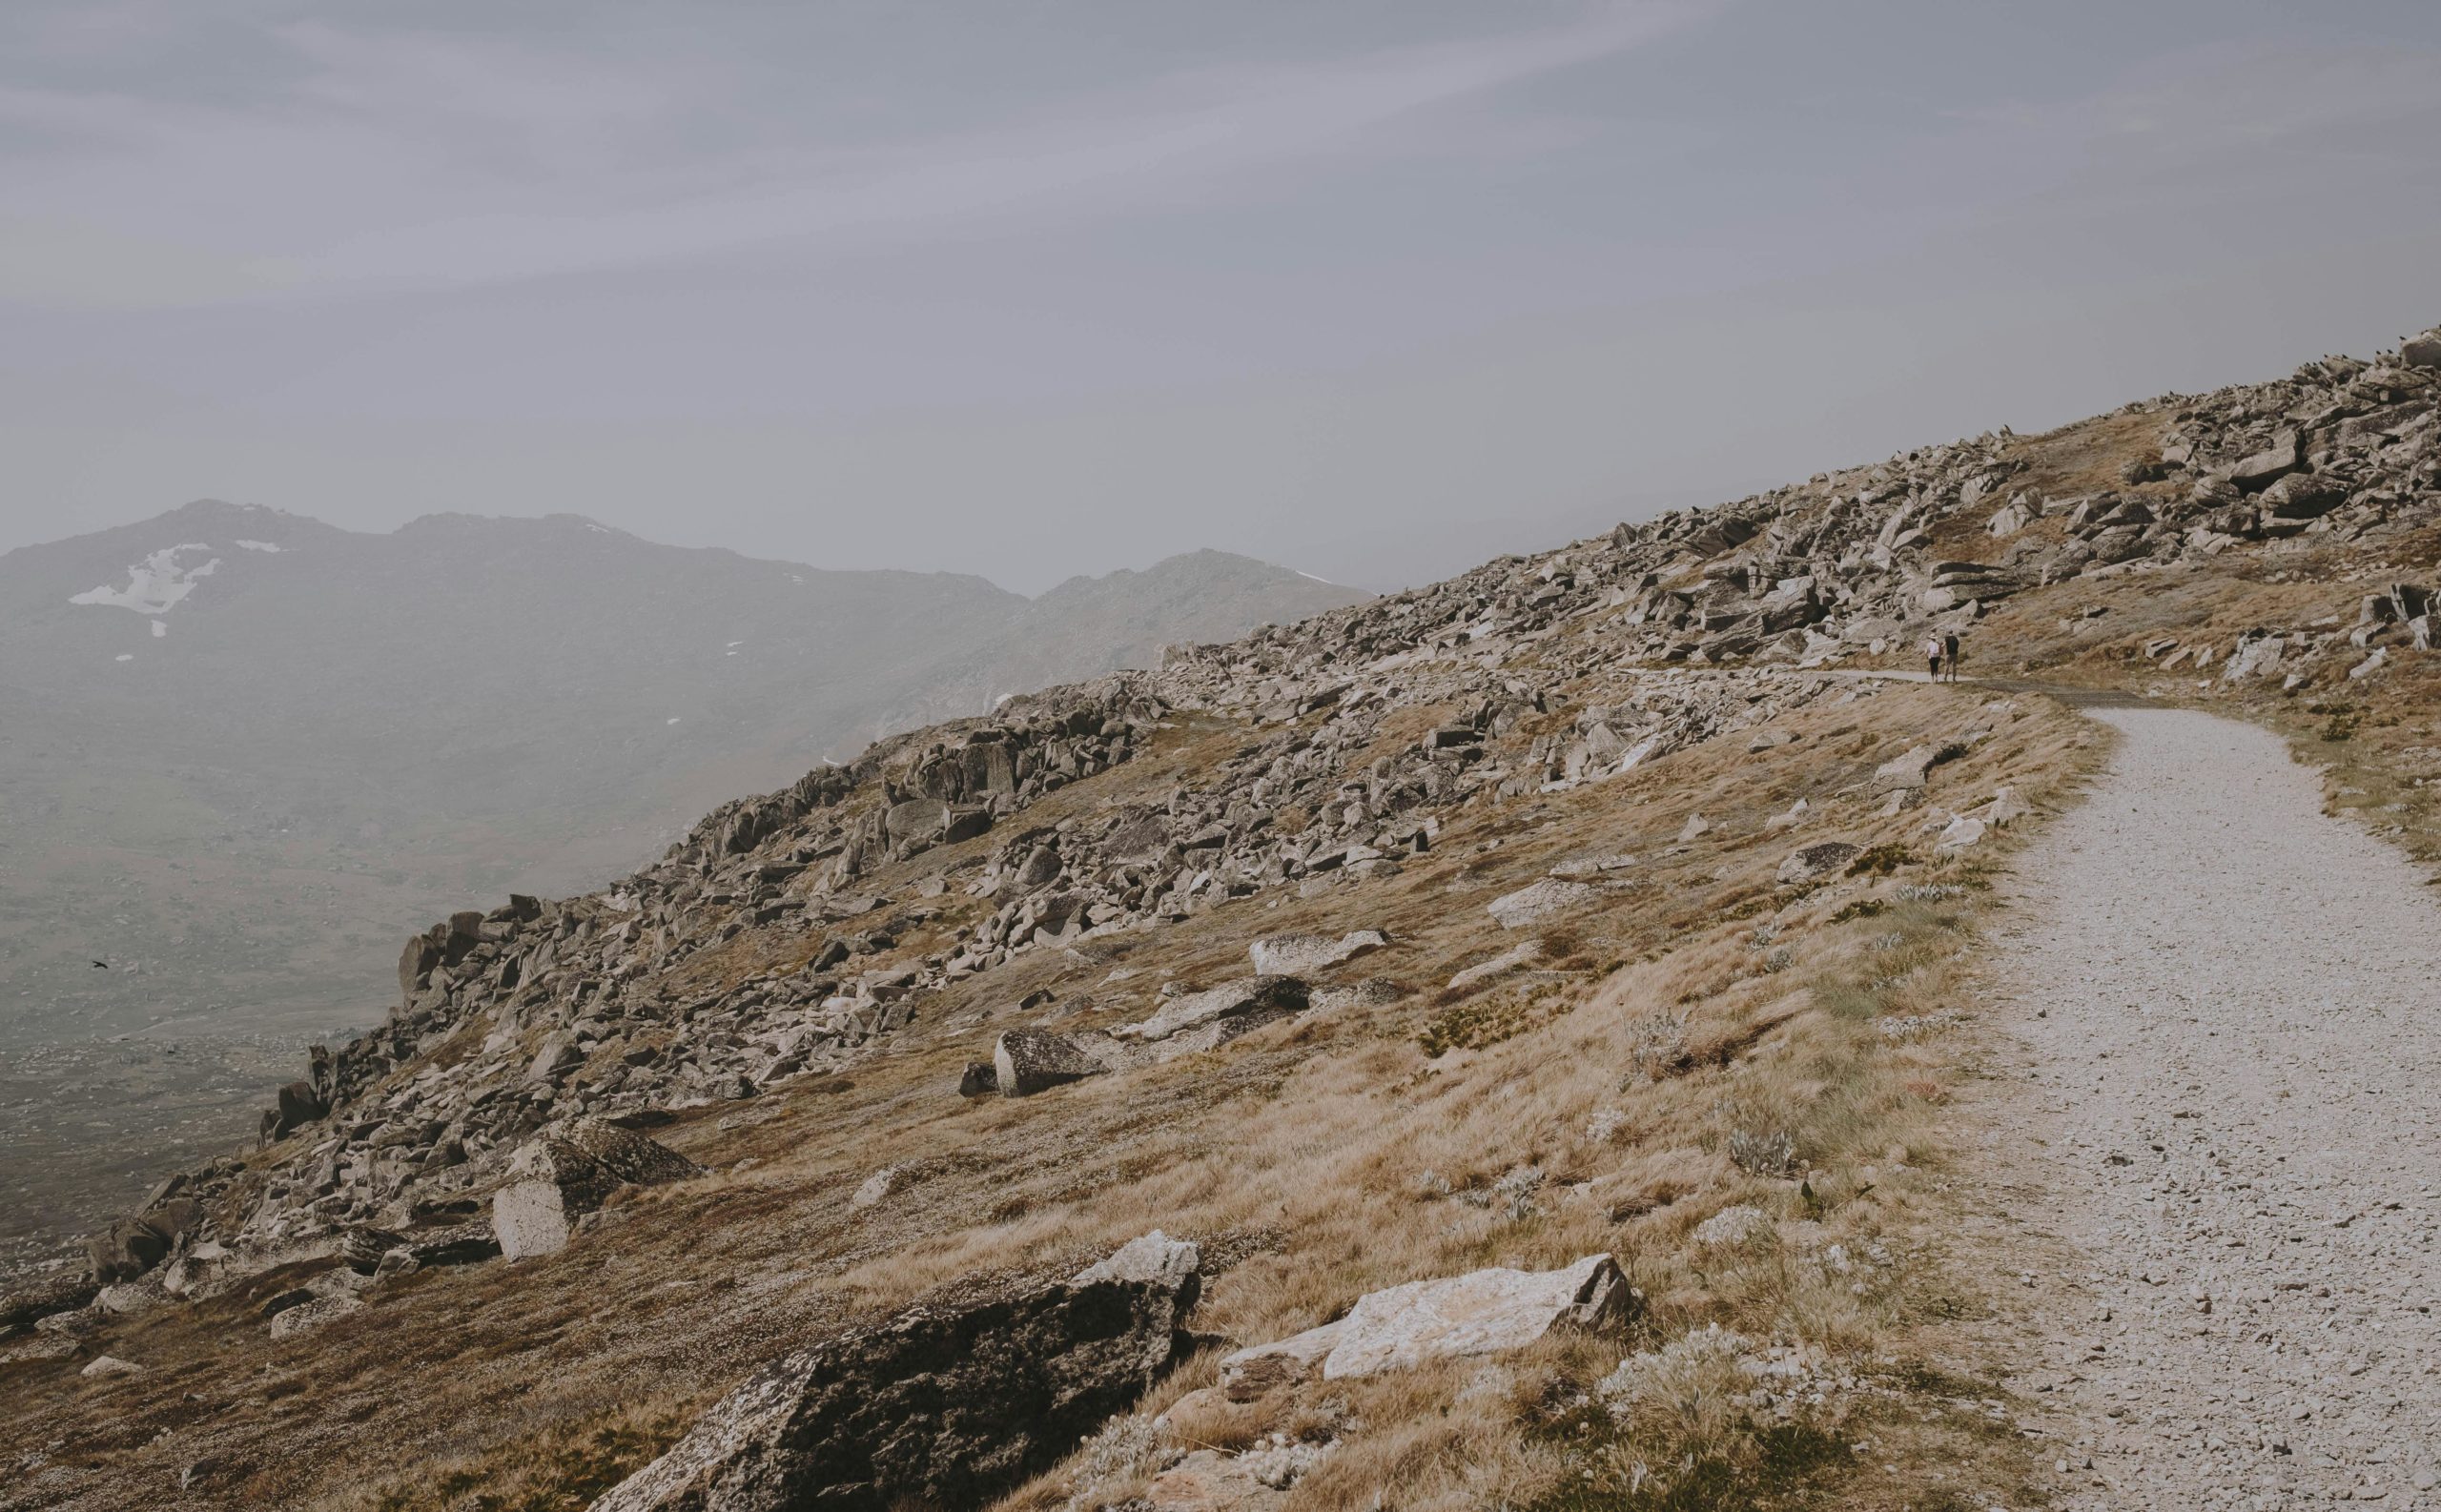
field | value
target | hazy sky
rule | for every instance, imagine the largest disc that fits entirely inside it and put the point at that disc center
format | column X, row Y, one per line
column 1375, row 288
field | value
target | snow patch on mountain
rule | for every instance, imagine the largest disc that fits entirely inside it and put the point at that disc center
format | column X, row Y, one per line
column 258, row 545
column 156, row 585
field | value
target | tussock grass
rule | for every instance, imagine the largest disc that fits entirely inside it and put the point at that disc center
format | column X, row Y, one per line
column 1319, row 1159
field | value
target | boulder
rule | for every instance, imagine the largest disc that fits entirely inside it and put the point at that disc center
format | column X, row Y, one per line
column 132, row 1246
column 1477, row 1314
column 1820, row 859
column 1276, row 954
column 2264, row 468
column 943, row 1405
column 1155, row 1257
column 458, row 1244
column 965, row 822
column 2422, row 351
column 111, row 1365
column 2303, row 495
column 558, row 1179
column 920, row 819
column 300, row 1104
column 555, row 1057
column 1261, row 998
column 1539, row 900
column 980, row 1077
column 29, row 1304
column 1025, row 1061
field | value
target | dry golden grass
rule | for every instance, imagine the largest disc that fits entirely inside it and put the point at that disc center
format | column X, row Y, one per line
column 1317, row 1160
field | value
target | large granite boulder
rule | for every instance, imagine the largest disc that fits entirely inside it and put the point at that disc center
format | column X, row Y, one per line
column 943, row 1405
column 1026, row 1061
column 560, row 1177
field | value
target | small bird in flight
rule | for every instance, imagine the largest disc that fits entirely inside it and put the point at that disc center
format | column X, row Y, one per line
column 101, row 966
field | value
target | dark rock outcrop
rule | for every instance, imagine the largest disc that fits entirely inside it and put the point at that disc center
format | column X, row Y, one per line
column 940, row 1406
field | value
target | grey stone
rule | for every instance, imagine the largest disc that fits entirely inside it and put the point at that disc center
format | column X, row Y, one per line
column 1026, row 1061
column 559, row 1178
column 1264, row 997
column 944, row 1405
column 1820, row 859
column 1537, row 901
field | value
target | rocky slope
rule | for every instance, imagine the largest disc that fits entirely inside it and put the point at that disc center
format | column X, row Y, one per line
column 236, row 739
column 1616, row 841
column 239, row 749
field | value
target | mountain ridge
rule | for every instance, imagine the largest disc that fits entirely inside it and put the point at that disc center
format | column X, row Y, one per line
column 1585, row 945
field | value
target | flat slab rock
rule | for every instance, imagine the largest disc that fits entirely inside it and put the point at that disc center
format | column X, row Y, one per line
column 1289, row 955
column 939, row 1406
column 1481, row 1312
column 1538, row 901
column 1266, row 997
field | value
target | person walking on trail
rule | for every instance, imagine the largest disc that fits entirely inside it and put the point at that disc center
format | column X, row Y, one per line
column 1933, row 655
column 1949, row 643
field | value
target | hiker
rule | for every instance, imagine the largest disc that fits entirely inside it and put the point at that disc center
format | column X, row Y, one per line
column 1933, row 655
column 1949, row 643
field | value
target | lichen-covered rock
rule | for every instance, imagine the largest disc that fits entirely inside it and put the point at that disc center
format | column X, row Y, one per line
column 1820, row 859
column 940, row 1406
column 1537, row 901
column 1026, row 1061
column 1295, row 954
column 1253, row 997
column 556, row 1179
column 29, row 1304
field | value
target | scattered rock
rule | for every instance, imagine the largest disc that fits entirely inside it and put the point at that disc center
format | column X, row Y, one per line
column 1537, row 901
column 558, row 1180
column 1511, row 959
column 1153, row 1258
column 1254, row 997
column 1731, row 1227
column 1026, row 1061
column 111, row 1365
column 942, row 1405
column 1820, row 859
column 1295, row 954
column 1476, row 1314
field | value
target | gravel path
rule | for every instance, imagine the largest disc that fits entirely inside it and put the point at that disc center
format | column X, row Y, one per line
column 2231, row 1007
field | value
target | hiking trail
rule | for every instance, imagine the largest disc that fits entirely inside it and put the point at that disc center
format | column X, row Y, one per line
column 2220, row 1133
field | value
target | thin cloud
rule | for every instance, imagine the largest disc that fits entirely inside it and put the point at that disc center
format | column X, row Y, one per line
column 435, row 163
